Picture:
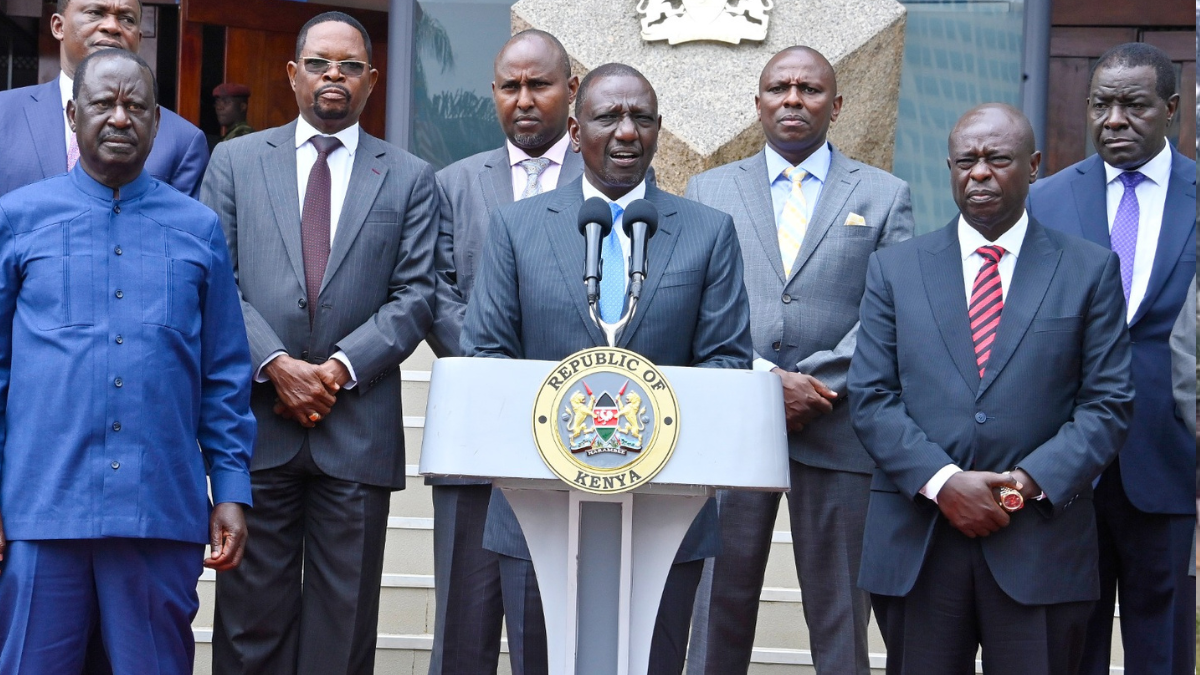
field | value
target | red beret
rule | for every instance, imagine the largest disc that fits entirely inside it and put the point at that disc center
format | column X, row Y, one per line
column 231, row 89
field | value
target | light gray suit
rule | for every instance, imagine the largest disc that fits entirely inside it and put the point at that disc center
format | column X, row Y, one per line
column 805, row 323
column 330, row 484
column 467, row 578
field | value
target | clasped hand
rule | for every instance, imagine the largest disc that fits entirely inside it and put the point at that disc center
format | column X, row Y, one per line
column 303, row 388
column 805, row 398
column 970, row 501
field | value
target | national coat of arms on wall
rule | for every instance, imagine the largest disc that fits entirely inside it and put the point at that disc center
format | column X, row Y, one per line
column 729, row 21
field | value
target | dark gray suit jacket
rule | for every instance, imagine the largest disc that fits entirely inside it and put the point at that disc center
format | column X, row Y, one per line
column 471, row 190
column 375, row 302
column 530, row 303
column 807, row 322
column 1056, row 400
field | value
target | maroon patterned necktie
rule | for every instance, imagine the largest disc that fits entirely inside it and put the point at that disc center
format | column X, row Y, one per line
column 987, row 301
column 315, row 221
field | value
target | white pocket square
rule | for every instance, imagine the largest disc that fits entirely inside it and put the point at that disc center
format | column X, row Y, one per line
column 855, row 219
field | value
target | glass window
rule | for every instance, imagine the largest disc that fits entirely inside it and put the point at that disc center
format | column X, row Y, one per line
column 455, row 43
column 956, row 56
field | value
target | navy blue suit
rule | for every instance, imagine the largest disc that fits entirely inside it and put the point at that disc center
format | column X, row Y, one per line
column 33, row 138
column 1055, row 400
column 1145, row 542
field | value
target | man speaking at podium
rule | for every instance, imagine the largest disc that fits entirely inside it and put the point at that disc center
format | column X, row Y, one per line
column 529, row 301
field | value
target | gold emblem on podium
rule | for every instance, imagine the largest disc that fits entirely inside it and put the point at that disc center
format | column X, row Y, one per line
column 605, row 420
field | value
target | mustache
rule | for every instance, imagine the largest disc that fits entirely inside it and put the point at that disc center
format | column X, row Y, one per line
column 345, row 91
column 113, row 133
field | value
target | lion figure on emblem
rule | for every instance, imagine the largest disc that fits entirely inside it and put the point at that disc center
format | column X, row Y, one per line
column 632, row 413
column 580, row 413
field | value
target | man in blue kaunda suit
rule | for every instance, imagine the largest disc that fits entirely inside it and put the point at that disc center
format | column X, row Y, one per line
column 693, row 309
column 1137, row 197
column 991, row 385
column 37, row 141
column 124, row 394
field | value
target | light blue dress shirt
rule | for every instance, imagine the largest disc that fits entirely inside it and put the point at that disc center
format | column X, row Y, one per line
column 817, row 166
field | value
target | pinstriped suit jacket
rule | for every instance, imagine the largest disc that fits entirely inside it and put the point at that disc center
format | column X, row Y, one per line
column 375, row 302
column 530, row 303
column 808, row 322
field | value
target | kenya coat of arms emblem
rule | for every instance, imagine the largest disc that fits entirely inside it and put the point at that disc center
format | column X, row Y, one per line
column 729, row 21
column 605, row 420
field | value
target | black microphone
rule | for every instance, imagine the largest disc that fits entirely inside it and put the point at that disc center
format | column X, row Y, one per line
column 640, row 223
column 595, row 223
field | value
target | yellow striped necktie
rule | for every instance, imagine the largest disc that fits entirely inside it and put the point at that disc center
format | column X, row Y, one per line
column 793, row 222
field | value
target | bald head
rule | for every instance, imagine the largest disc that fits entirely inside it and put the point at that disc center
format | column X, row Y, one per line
column 548, row 45
column 999, row 115
column 819, row 65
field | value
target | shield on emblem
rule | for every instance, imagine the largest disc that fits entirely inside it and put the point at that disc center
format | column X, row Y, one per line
column 704, row 11
column 604, row 416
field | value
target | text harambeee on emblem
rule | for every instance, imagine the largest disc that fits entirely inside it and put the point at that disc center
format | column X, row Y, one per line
column 729, row 21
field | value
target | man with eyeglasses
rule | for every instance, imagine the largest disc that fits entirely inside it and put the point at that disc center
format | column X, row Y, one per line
column 331, row 232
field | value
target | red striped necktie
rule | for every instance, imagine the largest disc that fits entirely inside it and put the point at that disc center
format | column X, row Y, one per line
column 987, row 301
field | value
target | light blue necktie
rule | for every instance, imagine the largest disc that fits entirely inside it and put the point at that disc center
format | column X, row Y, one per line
column 612, row 285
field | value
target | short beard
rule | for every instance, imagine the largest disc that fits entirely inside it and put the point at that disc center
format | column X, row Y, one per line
column 531, row 141
column 330, row 113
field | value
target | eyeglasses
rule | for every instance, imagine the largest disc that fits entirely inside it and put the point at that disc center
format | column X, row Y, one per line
column 318, row 66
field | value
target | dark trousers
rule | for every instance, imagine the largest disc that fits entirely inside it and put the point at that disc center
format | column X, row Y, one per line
column 470, row 613
column 956, row 606
column 1144, row 557
column 306, row 597
column 140, row 593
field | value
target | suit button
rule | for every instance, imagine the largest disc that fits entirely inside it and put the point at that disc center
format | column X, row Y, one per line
column 980, row 417
column 304, row 354
column 120, row 340
column 116, row 426
column 775, row 345
column 118, row 250
column 302, row 303
column 116, row 209
column 118, row 383
column 786, row 298
column 120, row 294
column 115, row 465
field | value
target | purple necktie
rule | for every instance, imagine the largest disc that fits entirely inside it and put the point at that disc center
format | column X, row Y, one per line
column 315, row 221
column 1125, row 227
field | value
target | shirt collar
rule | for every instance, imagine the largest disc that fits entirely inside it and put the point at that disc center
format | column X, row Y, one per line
column 969, row 239
column 638, row 192
column 816, row 164
column 348, row 136
column 1158, row 169
column 556, row 154
column 94, row 188
column 65, row 87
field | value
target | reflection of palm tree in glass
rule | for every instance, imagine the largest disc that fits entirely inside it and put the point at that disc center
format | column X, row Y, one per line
column 449, row 125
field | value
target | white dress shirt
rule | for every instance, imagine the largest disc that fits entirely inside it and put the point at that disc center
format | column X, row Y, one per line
column 549, row 178
column 638, row 192
column 969, row 240
column 65, row 86
column 341, row 163
column 1152, row 199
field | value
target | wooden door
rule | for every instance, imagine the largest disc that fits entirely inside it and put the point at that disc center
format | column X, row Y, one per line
column 259, row 38
column 1081, row 31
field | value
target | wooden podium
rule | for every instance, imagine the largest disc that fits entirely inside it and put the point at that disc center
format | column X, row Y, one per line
column 602, row 560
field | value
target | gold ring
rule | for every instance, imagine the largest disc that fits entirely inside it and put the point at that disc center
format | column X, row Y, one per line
column 314, row 417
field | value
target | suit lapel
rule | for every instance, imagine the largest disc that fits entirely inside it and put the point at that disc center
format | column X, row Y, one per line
column 45, row 117
column 495, row 180
column 366, row 179
column 1091, row 202
column 560, row 223
column 279, row 173
column 942, row 273
column 658, row 254
column 1178, row 223
column 1031, row 279
column 755, row 190
column 838, row 185
column 572, row 167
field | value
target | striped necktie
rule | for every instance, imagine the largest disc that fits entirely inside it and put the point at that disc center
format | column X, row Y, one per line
column 793, row 222
column 987, row 302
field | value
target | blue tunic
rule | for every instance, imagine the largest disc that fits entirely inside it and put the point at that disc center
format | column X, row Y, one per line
column 124, row 365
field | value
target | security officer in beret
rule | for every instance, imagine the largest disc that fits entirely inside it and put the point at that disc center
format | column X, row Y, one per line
column 230, row 103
